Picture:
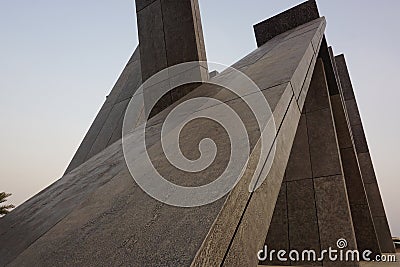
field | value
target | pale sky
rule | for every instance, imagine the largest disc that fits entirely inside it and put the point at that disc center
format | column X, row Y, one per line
column 60, row 58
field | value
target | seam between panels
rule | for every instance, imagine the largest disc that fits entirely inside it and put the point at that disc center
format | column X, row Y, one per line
column 251, row 194
column 313, row 184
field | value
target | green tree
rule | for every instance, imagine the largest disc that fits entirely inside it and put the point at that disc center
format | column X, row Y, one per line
column 4, row 209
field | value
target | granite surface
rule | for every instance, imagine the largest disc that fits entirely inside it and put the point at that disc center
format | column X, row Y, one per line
column 285, row 21
column 366, row 168
column 97, row 215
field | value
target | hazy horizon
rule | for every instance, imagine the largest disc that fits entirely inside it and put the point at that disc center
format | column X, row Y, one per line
column 61, row 58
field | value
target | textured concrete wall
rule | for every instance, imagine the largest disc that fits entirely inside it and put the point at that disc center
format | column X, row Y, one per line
column 98, row 215
column 362, row 220
column 361, row 216
column 242, row 225
column 285, row 21
column 170, row 33
column 316, row 212
column 173, row 36
column 364, row 159
column 370, row 232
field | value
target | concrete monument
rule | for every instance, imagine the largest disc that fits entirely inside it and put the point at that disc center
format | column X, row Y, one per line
column 319, row 186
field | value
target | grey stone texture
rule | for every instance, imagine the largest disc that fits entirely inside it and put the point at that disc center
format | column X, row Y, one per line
column 317, row 211
column 360, row 192
column 285, row 21
column 362, row 219
column 332, row 206
column 331, row 77
column 364, row 159
column 107, row 126
column 252, row 226
column 278, row 233
column 97, row 215
column 170, row 33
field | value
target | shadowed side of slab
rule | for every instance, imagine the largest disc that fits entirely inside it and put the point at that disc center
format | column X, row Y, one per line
column 111, row 222
column 317, row 210
column 170, row 33
column 241, row 227
column 362, row 220
column 364, row 159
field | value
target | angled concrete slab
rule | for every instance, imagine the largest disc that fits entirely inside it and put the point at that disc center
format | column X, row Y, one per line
column 170, row 33
column 99, row 135
column 97, row 214
column 76, row 232
column 364, row 227
column 364, row 159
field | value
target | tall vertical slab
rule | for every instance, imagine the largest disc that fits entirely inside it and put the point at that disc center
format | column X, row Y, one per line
column 170, row 33
column 362, row 220
column 364, row 159
column 316, row 193
column 242, row 225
